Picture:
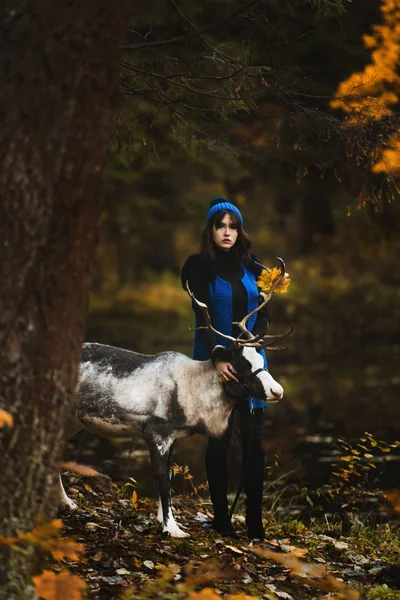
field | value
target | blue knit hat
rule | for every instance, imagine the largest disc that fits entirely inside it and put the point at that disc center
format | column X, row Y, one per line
column 221, row 203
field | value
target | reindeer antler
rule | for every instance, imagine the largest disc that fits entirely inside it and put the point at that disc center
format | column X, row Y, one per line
column 242, row 324
column 207, row 317
column 253, row 341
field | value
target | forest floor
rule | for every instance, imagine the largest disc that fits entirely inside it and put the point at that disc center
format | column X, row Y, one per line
column 127, row 556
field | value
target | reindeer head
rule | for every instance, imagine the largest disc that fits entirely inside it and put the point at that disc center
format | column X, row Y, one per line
column 254, row 379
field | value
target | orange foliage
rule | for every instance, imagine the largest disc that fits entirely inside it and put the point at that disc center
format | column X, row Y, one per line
column 134, row 499
column 370, row 94
column 62, row 548
column 47, row 530
column 206, row 594
column 49, row 585
column 316, row 575
column 392, row 499
column 77, row 468
column 6, row 419
column 62, row 586
column 37, row 534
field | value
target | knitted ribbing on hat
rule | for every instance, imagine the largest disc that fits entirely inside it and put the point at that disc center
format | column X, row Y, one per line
column 224, row 205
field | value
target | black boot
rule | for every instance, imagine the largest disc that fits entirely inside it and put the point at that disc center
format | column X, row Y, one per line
column 251, row 424
column 222, row 522
column 255, row 531
column 255, row 527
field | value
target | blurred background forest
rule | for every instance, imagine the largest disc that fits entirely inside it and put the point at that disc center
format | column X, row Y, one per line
column 300, row 167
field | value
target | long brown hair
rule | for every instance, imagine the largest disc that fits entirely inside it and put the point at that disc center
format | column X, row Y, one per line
column 240, row 251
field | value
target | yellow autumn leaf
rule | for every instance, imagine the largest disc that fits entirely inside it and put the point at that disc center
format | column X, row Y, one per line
column 6, row 419
column 268, row 278
column 134, row 499
column 62, row 586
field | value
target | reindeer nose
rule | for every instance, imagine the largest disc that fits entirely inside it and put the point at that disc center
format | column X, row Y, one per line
column 277, row 395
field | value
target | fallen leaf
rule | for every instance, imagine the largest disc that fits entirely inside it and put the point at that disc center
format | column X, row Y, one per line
column 123, row 571
column 293, row 551
column 62, row 586
column 93, row 526
column 89, row 489
column 273, row 543
column 357, row 559
column 149, row 564
column 134, row 499
column 201, row 517
column 174, row 568
column 283, row 595
column 341, row 545
column 234, row 549
column 6, row 420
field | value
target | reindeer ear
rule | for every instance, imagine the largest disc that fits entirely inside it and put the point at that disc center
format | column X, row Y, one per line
column 221, row 353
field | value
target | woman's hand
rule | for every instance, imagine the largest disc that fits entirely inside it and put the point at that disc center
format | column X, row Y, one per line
column 225, row 372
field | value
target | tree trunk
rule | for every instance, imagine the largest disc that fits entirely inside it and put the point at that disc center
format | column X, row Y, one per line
column 58, row 69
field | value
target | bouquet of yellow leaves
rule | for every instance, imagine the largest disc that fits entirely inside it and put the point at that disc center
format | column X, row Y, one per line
column 268, row 278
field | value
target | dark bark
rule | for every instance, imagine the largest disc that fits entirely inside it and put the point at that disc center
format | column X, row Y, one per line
column 58, row 69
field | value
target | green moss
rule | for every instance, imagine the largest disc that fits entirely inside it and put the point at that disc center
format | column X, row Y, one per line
column 382, row 592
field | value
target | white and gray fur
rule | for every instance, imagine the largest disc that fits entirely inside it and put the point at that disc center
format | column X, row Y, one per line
column 166, row 396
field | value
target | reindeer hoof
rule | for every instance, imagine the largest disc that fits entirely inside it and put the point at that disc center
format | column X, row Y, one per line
column 68, row 503
column 174, row 531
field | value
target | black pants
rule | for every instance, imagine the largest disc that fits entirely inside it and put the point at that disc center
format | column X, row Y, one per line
column 251, row 427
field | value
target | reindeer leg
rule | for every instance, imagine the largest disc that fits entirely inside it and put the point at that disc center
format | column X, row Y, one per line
column 160, row 455
column 160, row 511
column 71, row 428
column 160, row 517
column 65, row 501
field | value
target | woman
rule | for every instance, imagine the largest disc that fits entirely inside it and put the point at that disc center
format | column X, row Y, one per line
column 224, row 276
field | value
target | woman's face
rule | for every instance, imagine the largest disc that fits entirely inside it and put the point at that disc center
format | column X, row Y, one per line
column 225, row 234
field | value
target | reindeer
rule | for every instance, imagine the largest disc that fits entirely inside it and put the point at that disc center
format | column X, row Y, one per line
column 168, row 396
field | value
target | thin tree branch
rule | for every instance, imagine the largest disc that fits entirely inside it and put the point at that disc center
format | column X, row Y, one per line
column 182, row 38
